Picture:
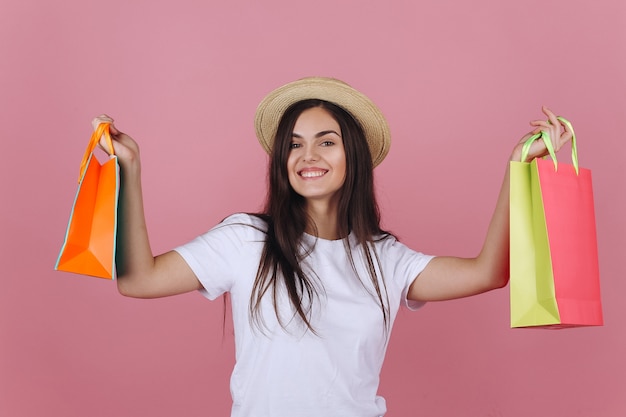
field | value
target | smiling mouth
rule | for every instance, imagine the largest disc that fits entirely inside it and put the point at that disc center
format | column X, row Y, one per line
column 312, row 174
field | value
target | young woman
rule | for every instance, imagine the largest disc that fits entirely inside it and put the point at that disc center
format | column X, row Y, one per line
column 315, row 283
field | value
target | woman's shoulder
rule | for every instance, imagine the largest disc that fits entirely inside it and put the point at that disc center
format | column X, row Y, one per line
column 389, row 243
column 385, row 239
column 245, row 223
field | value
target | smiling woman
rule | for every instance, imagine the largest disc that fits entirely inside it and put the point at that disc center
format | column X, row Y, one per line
column 315, row 282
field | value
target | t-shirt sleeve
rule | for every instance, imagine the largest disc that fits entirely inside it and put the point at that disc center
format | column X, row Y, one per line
column 215, row 256
column 407, row 265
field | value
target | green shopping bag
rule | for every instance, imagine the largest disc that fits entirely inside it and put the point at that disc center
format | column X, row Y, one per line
column 553, row 246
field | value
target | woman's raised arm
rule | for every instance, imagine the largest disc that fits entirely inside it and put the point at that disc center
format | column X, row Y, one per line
column 451, row 277
column 139, row 273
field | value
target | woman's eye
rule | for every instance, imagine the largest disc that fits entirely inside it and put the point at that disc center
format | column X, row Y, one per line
column 328, row 143
column 293, row 145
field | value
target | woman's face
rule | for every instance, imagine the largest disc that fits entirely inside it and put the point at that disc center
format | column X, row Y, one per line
column 317, row 159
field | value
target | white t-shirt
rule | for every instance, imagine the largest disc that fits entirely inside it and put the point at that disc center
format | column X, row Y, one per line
column 291, row 372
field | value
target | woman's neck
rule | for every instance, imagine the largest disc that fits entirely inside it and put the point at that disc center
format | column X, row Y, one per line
column 324, row 217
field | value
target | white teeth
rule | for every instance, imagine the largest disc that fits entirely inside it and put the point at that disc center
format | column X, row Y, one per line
column 312, row 174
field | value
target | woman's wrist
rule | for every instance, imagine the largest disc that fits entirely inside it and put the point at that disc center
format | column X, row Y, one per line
column 516, row 155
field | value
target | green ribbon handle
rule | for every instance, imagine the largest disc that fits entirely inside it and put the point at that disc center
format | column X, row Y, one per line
column 545, row 136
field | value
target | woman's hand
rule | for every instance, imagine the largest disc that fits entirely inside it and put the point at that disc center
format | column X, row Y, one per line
column 559, row 135
column 125, row 147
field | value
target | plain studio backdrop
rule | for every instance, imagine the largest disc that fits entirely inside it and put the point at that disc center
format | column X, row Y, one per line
column 458, row 80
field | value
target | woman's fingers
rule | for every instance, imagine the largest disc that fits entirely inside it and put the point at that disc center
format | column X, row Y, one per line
column 551, row 116
column 559, row 133
column 103, row 118
column 124, row 147
column 103, row 144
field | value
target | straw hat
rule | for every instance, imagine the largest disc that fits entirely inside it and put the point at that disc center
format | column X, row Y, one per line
column 371, row 119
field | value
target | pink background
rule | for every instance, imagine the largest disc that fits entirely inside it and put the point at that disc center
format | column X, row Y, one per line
column 458, row 81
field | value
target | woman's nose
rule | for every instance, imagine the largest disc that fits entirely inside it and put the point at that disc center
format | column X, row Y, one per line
column 310, row 154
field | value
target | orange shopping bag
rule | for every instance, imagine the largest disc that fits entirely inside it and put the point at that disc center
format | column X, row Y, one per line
column 89, row 246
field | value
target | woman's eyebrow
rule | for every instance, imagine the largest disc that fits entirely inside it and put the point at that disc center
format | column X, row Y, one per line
column 317, row 135
column 326, row 132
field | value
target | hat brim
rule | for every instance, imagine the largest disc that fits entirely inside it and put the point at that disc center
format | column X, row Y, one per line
column 364, row 111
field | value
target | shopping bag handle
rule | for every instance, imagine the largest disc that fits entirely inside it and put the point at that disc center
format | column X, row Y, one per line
column 545, row 136
column 102, row 129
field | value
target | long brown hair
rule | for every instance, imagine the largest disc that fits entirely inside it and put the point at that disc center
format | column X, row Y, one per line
column 286, row 218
